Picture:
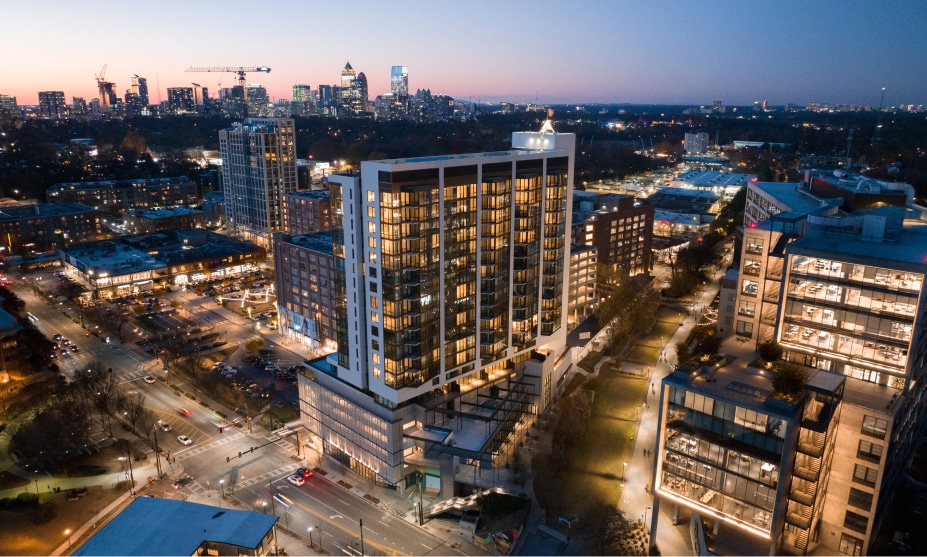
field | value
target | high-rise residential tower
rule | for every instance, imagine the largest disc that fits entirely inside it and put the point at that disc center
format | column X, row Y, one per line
column 399, row 81
column 258, row 167
column 52, row 105
column 450, row 291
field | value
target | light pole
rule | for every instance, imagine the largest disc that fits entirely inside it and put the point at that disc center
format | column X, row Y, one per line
column 646, row 512
column 624, row 470
column 639, row 412
column 264, row 506
column 68, row 534
column 310, row 537
column 222, row 487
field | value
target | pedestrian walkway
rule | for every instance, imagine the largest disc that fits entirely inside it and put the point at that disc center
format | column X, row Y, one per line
column 637, row 500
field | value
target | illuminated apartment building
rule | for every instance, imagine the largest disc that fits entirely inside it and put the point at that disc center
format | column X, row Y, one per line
column 451, row 301
column 843, row 295
column 258, row 168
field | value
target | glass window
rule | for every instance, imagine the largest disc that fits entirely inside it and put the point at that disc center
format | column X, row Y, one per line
column 856, row 522
column 375, row 317
column 865, row 475
column 374, row 302
column 874, row 427
column 749, row 287
column 372, row 227
column 371, row 197
column 754, row 245
column 860, row 499
column 744, row 328
column 747, row 308
column 869, row 451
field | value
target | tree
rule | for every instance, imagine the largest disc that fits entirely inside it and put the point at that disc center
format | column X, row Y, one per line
column 770, row 350
column 254, row 344
column 788, row 382
column 683, row 354
column 606, row 527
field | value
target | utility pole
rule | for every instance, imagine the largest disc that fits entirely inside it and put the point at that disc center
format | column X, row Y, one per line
column 361, row 520
column 131, row 473
column 157, row 451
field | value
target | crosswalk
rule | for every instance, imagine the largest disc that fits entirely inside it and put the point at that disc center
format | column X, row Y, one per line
column 284, row 470
column 193, row 451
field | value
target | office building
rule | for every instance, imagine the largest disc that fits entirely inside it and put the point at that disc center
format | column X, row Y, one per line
column 258, row 169
column 8, row 106
column 52, row 105
column 140, row 87
column 200, row 98
column 305, row 212
column 258, row 102
column 841, row 292
column 450, row 292
column 583, row 271
column 302, row 100
column 399, row 81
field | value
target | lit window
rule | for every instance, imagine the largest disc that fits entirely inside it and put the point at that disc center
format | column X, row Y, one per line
column 371, row 197
column 376, row 372
column 373, row 257
column 375, row 317
column 371, row 227
column 376, row 358
column 372, row 242
column 374, row 302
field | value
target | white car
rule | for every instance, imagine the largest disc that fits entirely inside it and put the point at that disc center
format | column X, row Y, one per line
column 164, row 426
column 296, row 480
column 184, row 440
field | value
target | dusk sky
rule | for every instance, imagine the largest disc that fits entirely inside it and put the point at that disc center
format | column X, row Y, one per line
column 582, row 51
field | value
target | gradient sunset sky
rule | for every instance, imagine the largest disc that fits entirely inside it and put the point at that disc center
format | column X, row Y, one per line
column 581, row 51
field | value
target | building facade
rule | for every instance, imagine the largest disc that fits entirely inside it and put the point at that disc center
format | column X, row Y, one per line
column 843, row 295
column 258, row 169
column 52, row 105
column 117, row 196
column 304, row 267
column 450, row 288
column 38, row 227
column 620, row 228
column 305, row 212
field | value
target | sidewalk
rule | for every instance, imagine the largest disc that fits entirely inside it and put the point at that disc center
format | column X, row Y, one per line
column 637, row 500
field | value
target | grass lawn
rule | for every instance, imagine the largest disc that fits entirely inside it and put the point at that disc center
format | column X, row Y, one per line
column 647, row 349
column 595, row 469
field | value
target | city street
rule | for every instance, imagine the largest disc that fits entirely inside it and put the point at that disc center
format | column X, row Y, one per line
column 259, row 461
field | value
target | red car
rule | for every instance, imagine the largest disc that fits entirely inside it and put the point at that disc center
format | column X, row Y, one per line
column 185, row 412
column 304, row 473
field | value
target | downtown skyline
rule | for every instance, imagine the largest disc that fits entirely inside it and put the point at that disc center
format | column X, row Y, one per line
column 556, row 52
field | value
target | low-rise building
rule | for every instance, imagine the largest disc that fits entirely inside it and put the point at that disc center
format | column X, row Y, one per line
column 155, row 526
column 117, row 196
column 38, row 227
column 131, row 264
column 307, row 211
column 142, row 221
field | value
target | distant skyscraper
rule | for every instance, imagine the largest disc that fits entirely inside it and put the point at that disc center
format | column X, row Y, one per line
column 180, row 100
column 200, row 98
column 133, row 104
column 347, row 76
column 399, row 81
column 258, row 168
column 78, row 106
column 52, row 105
column 8, row 104
column 108, row 98
column 258, row 101
column 302, row 99
column 140, row 88
column 360, row 93
column 325, row 98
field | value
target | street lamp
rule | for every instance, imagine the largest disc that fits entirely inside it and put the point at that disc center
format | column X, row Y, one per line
column 646, row 512
column 310, row 537
column 264, row 506
column 68, row 534
column 222, row 487
column 624, row 470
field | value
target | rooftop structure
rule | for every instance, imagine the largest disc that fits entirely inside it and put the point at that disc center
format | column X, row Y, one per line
column 154, row 526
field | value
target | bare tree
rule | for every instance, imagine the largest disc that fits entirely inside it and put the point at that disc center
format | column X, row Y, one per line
column 606, row 526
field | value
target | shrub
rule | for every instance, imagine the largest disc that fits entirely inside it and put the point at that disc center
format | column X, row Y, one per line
column 188, row 395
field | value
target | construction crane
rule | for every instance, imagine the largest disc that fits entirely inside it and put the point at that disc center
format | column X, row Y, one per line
column 106, row 89
column 240, row 70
